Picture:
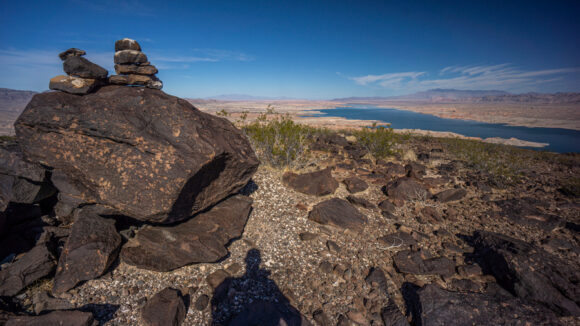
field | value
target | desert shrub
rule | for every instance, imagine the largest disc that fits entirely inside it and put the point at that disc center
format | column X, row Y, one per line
column 379, row 141
column 7, row 138
column 278, row 140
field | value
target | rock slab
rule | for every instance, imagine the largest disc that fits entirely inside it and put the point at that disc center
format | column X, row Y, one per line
column 55, row 318
column 166, row 308
column 317, row 183
column 39, row 262
column 147, row 154
column 531, row 273
column 89, row 251
column 337, row 212
column 202, row 239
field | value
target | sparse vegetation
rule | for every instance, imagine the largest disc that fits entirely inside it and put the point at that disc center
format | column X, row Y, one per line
column 7, row 138
column 503, row 163
column 278, row 140
column 379, row 141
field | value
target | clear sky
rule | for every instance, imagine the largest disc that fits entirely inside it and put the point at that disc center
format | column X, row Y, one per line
column 304, row 49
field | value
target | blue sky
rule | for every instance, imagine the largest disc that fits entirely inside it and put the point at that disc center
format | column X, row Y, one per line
column 304, row 49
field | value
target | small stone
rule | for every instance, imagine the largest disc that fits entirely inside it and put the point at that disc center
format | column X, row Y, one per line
column 130, row 57
column 167, row 307
column 307, row 236
column 450, row 195
column 135, row 69
column 321, row 318
column 216, row 278
column 332, row 246
column 73, row 85
column 354, row 184
column 127, row 44
column 80, row 67
column 201, row 302
column 234, row 268
column 72, row 52
column 325, row 267
column 358, row 317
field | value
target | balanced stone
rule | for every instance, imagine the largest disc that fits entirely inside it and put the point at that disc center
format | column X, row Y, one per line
column 73, row 85
column 135, row 69
column 130, row 57
column 139, row 80
column 127, row 44
column 72, row 52
column 80, row 67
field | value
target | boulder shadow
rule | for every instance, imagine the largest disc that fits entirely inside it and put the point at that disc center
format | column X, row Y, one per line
column 252, row 299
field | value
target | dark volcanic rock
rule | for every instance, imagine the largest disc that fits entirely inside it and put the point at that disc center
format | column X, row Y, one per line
column 531, row 273
column 72, row 52
column 166, row 308
column 431, row 305
column 202, row 239
column 354, row 184
column 415, row 170
column 13, row 164
column 317, row 183
column 81, row 67
column 130, row 57
column 377, row 278
column 55, row 318
column 392, row 316
column 39, row 262
column 147, row 154
column 337, row 212
column 524, row 211
column 73, row 85
column 406, row 189
column 450, row 195
column 360, row 202
column 43, row 301
column 387, row 206
column 411, row 262
column 135, row 69
column 398, row 239
column 89, row 251
column 127, row 44
column 138, row 80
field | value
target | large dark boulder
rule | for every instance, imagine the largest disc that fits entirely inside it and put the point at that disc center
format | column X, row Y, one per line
column 317, row 183
column 39, row 262
column 80, row 67
column 434, row 306
column 147, row 154
column 55, row 318
column 89, row 251
column 406, row 188
column 338, row 212
column 525, row 211
column 450, row 195
column 531, row 273
column 166, row 308
column 202, row 239
column 412, row 262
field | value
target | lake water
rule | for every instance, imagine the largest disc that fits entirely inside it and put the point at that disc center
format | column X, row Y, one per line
column 560, row 140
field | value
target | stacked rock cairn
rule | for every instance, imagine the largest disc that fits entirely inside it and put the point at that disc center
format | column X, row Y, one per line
column 132, row 66
column 83, row 75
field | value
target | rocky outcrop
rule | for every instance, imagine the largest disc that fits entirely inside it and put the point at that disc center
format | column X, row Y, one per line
column 39, row 262
column 89, row 251
column 450, row 195
column 146, row 154
column 338, row 212
column 432, row 305
column 202, row 239
column 530, row 273
column 317, row 183
column 166, row 308
column 133, row 67
column 414, row 262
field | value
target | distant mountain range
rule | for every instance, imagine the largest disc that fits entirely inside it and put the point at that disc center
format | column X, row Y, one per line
column 12, row 100
column 245, row 97
column 472, row 96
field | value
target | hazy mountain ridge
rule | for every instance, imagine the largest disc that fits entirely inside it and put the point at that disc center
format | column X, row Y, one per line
column 474, row 96
column 12, row 100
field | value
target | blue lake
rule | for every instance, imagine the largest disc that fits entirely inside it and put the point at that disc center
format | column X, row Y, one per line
column 560, row 140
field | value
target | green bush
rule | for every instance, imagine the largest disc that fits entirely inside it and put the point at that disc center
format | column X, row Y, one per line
column 278, row 140
column 379, row 141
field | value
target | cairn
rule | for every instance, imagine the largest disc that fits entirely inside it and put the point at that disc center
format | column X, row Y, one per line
column 82, row 77
column 132, row 66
